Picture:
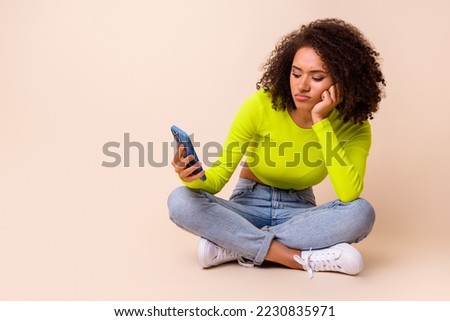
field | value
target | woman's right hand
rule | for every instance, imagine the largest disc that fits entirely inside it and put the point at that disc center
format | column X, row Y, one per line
column 180, row 164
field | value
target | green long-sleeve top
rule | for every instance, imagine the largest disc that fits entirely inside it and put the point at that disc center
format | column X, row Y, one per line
column 283, row 155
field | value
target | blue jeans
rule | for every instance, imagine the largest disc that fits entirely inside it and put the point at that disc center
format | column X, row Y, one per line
column 256, row 214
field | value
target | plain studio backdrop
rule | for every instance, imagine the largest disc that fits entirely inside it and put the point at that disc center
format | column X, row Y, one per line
column 76, row 76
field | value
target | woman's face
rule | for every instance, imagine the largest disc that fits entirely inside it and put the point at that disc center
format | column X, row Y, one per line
column 309, row 78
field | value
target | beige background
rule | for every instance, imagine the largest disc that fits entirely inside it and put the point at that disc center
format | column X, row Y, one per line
column 77, row 74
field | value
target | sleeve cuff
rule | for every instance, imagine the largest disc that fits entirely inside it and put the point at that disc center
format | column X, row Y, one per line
column 321, row 126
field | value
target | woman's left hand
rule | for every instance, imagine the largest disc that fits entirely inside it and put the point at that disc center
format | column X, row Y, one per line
column 330, row 99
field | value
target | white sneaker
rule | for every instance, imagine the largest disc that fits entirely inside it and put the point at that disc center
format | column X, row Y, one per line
column 210, row 254
column 341, row 257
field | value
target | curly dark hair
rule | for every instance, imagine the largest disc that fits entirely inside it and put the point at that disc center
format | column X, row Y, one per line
column 350, row 59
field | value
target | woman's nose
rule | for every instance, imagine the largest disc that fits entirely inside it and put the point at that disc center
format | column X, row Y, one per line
column 303, row 84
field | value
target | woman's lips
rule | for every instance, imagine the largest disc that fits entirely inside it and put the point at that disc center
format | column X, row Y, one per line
column 300, row 97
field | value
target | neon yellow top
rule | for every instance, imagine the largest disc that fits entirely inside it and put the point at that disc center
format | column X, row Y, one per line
column 283, row 155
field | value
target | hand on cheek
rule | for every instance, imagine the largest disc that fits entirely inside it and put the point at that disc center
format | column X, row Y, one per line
column 330, row 99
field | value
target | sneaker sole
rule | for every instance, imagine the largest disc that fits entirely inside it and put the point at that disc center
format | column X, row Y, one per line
column 202, row 249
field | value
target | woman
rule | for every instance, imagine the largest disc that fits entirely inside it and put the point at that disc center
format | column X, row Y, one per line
column 307, row 119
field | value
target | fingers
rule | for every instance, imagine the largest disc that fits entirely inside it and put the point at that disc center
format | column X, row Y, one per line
column 178, row 157
column 335, row 94
column 179, row 162
column 182, row 168
column 325, row 95
column 185, row 173
column 332, row 92
column 332, row 96
column 190, row 177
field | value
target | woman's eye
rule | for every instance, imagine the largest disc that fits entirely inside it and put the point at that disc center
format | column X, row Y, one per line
column 317, row 78
column 296, row 75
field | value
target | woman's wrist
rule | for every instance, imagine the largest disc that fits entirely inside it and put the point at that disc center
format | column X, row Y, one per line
column 317, row 118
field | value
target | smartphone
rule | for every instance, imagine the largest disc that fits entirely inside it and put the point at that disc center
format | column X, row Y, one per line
column 182, row 138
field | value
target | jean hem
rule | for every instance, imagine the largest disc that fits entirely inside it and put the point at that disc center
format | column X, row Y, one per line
column 262, row 252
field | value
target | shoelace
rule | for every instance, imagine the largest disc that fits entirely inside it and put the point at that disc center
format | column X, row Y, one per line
column 305, row 264
column 244, row 263
column 225, row 255
column 326, row 261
